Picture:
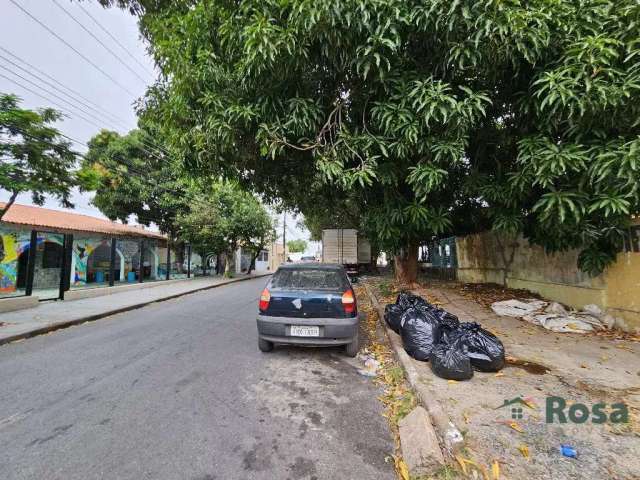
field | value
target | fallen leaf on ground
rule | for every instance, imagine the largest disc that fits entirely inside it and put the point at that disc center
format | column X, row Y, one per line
column 466, row 417
column 625, row 347
column 402, row 469
column 524, row 450
column 495, row 470
column 452, row 381
column 463, row 465
column 499, row 374
column 516, row 426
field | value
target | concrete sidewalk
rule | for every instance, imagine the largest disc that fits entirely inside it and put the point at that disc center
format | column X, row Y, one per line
column 53, row 315
column 581, row 369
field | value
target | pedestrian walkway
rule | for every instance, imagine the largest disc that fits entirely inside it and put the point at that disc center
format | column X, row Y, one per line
column 52, row 315
column 581, row 369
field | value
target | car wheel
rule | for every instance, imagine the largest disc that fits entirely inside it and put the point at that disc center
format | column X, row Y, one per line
column 351, row 349
column 264, row 345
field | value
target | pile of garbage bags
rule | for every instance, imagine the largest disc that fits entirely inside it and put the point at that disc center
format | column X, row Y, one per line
column 432, row 334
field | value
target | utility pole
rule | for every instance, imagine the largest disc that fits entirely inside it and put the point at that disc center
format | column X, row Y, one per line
column 284, row 238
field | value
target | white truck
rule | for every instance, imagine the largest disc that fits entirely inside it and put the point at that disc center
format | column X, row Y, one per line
column 344, row 246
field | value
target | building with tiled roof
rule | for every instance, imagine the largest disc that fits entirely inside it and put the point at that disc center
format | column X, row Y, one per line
column 45, row 253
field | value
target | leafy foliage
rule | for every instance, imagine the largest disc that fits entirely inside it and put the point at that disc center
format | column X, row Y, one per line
column 296, row 246
column 439, row 117
column 222, row 217
column 34, row 157
column 131, row 178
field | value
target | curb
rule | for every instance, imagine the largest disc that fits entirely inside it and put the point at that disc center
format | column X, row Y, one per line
column 447, row 431
column 90, row 318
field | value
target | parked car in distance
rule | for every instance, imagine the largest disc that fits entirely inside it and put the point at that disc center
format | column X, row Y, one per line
column 309, row 304
column 308, row 258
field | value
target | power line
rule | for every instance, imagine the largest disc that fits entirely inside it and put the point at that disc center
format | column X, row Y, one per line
column 49, row 99
column 120, row 161
column 112, row 37
column 74, row 92
column 47, row 83
column 128, row 165
column 84, row 57
column 148, row 143
column 58, row 97
column 70, row 15
column 154, row 149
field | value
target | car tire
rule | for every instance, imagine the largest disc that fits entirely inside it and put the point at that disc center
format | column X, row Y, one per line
column 352, row 349
column 264, row 345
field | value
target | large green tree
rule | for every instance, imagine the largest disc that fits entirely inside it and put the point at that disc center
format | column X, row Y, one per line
column 131, row 177
column 34, row 156
column 222, row 217
column 296, row 246
column 440, row 116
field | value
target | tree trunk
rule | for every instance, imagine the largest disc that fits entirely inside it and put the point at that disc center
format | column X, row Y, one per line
column 406, row 264
column 374, row 262
column 8, row 204
column 252, row 264
column 227, row 264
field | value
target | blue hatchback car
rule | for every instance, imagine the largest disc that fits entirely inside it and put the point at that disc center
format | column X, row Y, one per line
column 309, row 304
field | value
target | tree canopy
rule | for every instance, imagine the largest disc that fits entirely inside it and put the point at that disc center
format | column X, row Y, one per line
column 130, row 177
column 34, row 156
column 296, row 246
column 222, row 217
column 439, row 117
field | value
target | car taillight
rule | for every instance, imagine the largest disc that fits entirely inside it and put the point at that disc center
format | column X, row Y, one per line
column 348, row 301
column 264, row 300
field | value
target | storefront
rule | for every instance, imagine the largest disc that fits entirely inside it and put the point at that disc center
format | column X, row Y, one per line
column 46, row 253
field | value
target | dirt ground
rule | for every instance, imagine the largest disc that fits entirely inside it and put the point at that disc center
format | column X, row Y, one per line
column 585, row 369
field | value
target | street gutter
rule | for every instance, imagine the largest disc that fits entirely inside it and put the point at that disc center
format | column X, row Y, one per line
column 449, row 434
column 107, row 313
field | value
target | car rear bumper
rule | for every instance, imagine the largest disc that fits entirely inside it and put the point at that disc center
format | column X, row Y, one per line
column 333, row 331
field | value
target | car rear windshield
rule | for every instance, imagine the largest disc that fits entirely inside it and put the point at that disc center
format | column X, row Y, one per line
column 310, row 279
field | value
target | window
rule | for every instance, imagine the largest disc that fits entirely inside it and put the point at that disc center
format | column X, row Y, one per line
column 263, row 256
column 52, row 255
column 315, row 279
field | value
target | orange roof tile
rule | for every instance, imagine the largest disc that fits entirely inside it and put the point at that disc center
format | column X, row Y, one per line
column 60, row 220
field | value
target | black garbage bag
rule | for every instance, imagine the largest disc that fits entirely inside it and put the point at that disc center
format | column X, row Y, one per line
column 484, row 349
column 393, row 316
column 408, row 300
column 450, row 361
column 448, row 327
column 419, row 332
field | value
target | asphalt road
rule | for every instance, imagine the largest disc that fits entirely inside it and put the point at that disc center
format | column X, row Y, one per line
column 179, row 390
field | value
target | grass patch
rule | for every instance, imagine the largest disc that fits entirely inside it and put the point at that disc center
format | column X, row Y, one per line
column 386, row 288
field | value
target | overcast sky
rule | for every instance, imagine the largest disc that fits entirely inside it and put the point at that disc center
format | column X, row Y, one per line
column 23, row 39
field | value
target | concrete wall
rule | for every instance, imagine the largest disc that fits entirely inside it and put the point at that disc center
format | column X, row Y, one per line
column 554, row 276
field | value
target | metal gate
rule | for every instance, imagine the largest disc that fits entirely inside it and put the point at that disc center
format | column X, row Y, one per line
column 441, row 259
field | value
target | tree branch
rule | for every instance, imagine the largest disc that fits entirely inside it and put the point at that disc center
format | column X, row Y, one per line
column 7, row 206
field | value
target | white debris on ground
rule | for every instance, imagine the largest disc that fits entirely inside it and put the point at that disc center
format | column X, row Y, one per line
column 518, row 308
column 554, row 316
column 371, row 365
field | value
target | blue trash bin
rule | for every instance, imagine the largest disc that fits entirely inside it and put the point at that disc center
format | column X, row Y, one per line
column 131, row 277
column 99, row 277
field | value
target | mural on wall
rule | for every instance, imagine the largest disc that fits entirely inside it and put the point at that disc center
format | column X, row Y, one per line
column 13, row 244
column 82, row 248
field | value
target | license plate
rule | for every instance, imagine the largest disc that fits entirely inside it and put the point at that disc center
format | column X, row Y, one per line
column 304, row 331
